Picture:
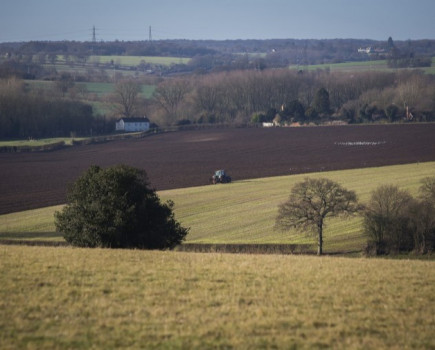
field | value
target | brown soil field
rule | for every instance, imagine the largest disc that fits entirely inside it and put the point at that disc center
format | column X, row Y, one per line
column 188, row 158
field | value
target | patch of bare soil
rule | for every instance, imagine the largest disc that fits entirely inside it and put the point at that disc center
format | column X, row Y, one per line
column 188, row 158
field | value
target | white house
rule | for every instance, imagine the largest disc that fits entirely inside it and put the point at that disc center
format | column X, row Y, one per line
column 133, row 124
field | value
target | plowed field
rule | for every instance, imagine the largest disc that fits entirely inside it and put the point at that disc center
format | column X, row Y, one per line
column 188, row 158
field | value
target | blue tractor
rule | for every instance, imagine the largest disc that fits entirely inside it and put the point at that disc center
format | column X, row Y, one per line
column 220, row 177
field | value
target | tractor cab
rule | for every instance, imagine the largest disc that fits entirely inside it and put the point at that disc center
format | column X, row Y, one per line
column 220, row 177
column 219, row 173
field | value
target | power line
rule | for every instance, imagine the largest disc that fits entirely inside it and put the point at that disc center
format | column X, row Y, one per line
column 94, row 37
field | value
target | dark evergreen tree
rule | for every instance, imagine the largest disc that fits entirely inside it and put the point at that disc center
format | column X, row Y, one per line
column 296, row 110
column 321, row 102
column 116, row 208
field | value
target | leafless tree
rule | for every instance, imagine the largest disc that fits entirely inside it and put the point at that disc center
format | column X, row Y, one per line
column 422, row 225
column 169, row 96
column 311, row 202
column 386, row 218
column 126, row 97
column 427, row 189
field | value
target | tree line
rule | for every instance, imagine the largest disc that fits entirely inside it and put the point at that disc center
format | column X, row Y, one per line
column 34, row 114
column 292, row 96
column 275, row 52
column 282, row 96
column 183, row 48
column 393, row 221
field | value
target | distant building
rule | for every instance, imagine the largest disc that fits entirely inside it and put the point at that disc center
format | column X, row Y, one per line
column 366, row 50
column 268, row 125
column 370, row 50
column 132, row 124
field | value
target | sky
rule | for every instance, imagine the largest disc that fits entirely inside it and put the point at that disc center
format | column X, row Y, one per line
column 53, row 20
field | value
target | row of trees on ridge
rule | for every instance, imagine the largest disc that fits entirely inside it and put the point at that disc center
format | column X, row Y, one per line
column 308, row 97
column 393, row 220
column 241, row 97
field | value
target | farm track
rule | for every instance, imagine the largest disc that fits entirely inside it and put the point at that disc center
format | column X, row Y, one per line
column 188, row 158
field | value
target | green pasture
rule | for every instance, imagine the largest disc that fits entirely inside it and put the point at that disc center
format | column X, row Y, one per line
column 68, row 140
column 126, row 61
column 378, row 65
column 93, row 93
column 244, row 211
column 71, row 298
column 39, row 142
column 347, row 66
column 100, row 89
column 137, row 60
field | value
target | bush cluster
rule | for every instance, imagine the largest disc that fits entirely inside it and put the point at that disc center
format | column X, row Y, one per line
column 396, row 222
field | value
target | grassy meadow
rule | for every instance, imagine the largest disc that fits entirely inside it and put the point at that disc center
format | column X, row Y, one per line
column 360, row 66
column 58, row 298
column 40, row 142
column 244, row 212
column 131, row 61
column 119, row 61
column 97, row 88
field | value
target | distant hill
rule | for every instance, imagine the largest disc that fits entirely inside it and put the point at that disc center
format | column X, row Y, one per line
column 271, row 53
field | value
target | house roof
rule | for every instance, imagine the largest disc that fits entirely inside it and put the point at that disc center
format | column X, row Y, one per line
column 135, row 120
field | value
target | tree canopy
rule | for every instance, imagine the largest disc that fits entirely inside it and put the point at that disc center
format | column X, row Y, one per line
column 321, row 101
column 116, row 208
column 311, row 202
column 385, row 218
column 395, row 222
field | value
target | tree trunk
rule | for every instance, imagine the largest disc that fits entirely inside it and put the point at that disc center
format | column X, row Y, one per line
column 320, row 240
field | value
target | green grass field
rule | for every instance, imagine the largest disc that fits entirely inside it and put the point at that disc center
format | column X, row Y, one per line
column 92, row 90
column 136, row 60
column 378, row 65
column 122, row 64
column 100, row 89
column 244, row 211
column 127, row 61
column 39, row 142
column 70, row 298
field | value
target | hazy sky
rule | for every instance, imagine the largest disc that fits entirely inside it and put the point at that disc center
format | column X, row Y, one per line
column 24, row 20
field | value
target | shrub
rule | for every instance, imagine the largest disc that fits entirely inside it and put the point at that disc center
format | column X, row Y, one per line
column 116, row 208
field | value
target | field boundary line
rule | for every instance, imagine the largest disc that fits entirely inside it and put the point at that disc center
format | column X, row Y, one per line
column 34, row 243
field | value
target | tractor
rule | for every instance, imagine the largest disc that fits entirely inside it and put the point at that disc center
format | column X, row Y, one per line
column 220, row 177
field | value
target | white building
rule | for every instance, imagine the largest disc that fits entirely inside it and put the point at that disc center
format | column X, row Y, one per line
column 133, row 124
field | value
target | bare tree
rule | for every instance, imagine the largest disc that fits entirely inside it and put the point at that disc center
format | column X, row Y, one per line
column 386, row 219
column 427, row 189
column 206, row 98
column 422, row 225
column 64, row 83
column 126, row 97
column 311, row 202
column 170, row 94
